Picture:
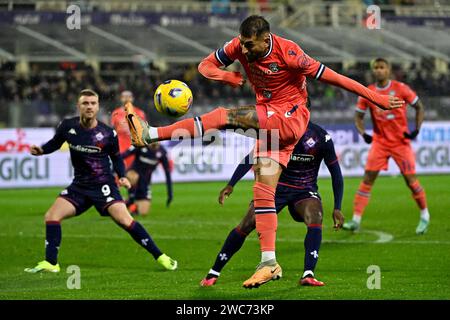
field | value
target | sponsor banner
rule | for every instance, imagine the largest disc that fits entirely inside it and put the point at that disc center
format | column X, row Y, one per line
column 125, row 18
column 199, row 162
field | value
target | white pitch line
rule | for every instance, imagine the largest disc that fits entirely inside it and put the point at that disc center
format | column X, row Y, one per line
column 383, row 238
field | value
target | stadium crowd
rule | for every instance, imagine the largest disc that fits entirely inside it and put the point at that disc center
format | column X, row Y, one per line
column 50, row 96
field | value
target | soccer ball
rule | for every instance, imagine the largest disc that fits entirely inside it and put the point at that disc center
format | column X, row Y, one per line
column 173, row 98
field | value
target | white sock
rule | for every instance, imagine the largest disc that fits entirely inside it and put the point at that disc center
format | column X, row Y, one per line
column 424, row 214
column 267, row 255
column 153, row 133
column 308, row 273
column 211, row 271
column 357, row 218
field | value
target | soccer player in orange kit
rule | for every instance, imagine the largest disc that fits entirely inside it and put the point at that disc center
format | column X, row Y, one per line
column 277, row 69
column 119, row 123
column 391, row 138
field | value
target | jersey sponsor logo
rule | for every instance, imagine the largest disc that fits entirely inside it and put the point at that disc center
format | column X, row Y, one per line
column 99, row 136
column 72, row 131
column 311, row 142
column 292, row 53
column 302, row 157
column 390, row 116
column 87, row 149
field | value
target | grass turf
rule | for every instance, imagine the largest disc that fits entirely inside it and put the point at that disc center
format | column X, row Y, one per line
column 193, row 229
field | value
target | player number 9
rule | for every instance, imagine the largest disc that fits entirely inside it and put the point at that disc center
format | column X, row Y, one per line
column 106, row 190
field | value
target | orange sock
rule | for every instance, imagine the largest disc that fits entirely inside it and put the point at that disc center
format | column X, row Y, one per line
column 418, row 194
column 194, row 127
column 265, row 214
column 361, row 199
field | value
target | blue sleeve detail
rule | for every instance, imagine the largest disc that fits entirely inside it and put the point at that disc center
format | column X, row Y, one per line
column 222, row 57
column 241, row 170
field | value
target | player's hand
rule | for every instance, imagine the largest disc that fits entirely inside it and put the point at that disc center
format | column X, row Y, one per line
column 124, row 182
column 36, row 150
column 338, row 219
column 169, row 200
column 225, row 193
column 391, row 102
column 411, row 135
column 367, row 138
column 234, row 79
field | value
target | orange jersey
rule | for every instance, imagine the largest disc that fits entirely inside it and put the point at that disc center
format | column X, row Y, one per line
column 123, row 132
column 120, row 124
column 389, row 125
column 278, row 77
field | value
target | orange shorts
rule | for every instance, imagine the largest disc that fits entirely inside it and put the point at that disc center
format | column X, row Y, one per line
column 285, row 124
column 380, row 153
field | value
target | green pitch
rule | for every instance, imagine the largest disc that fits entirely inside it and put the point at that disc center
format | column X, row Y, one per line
column 113, row 266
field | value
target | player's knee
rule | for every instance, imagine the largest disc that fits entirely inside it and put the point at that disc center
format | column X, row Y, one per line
column 313, row 217
column 248, row 225
column 51, row 215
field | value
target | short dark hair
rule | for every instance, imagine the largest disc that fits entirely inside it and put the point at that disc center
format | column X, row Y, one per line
column 88, row 93
column 254, row 26
column 379, row 60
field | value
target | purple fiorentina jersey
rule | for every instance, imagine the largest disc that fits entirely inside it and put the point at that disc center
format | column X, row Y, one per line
column 303, row 168
column 90, row 150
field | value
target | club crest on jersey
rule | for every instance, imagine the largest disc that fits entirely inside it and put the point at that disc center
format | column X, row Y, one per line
column 267, row 94
column 392, row 93
column 310, row 142
column 274, row 67
column 99, row 136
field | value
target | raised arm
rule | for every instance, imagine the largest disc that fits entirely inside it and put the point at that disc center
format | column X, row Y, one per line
column 210, row 67
column 53, row 144
column 383, row 101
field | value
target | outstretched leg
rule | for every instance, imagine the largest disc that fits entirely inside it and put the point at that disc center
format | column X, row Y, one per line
column 122, row 217
column 244, row 117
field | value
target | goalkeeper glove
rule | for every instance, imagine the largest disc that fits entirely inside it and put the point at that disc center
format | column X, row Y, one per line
column 367, row 138
column 411, row 135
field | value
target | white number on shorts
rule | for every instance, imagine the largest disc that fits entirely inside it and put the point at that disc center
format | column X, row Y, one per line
column 106, row 190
